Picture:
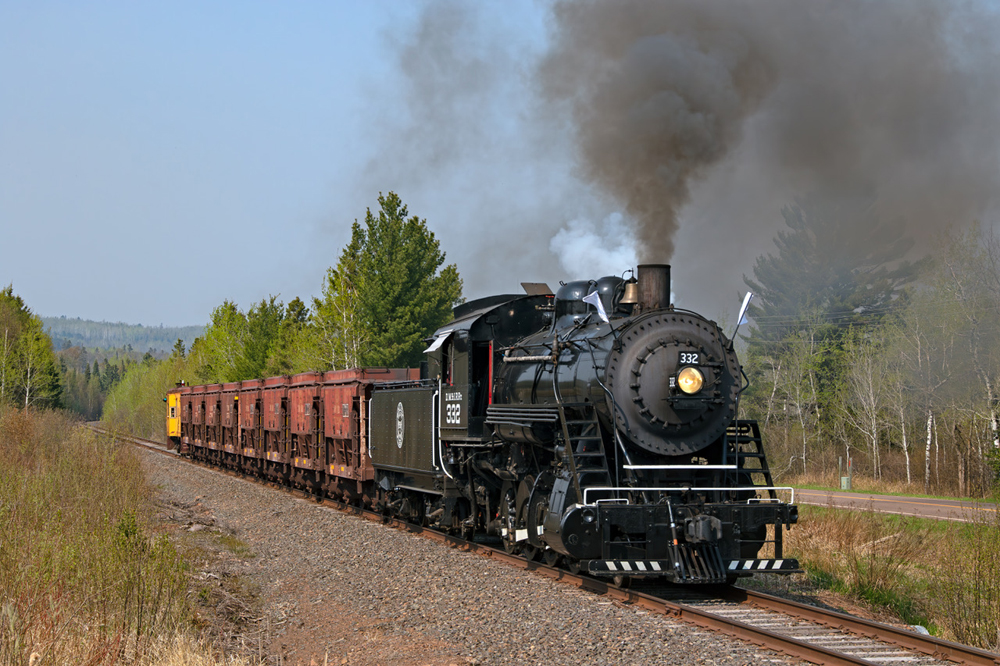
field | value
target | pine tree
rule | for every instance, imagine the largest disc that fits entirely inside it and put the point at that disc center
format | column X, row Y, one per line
column 237, row 345
column 292, row 350
column 29, row 368
column 837, row 264
column 389, row 290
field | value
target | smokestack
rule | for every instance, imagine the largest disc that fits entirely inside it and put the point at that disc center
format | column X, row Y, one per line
column 654, row 286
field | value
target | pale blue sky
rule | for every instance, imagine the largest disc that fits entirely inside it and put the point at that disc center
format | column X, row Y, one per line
column 158, row 158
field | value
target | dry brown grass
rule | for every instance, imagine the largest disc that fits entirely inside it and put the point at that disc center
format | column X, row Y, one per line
column 82, row 578
column 865, row 550
column 945, row 576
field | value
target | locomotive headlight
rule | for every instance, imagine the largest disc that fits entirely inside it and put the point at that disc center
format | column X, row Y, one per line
column 690, row 380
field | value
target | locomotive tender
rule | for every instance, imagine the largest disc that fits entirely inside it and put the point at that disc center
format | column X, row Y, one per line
column 594, row 428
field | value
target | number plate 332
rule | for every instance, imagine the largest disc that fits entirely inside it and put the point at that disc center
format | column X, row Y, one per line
column 688, row 358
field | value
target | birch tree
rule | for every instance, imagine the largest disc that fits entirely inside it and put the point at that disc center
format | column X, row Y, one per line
column 39, row 368
column 865, row 387
column 340, row 335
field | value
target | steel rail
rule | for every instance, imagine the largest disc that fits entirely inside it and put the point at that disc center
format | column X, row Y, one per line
column 817, row 654
column 929, row 645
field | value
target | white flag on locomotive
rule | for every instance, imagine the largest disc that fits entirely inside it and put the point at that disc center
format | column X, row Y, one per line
column 594, row 299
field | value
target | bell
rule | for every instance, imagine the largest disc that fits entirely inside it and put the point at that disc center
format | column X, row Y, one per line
column 631, row 296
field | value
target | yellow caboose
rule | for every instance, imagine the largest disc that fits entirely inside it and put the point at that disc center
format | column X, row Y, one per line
column 173, row 401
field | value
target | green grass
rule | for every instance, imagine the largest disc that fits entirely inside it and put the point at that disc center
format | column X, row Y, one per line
column 875, row 490
column 235, row 546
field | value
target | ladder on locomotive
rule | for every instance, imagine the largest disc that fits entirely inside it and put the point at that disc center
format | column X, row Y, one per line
column 583, row 449
column 751, row 465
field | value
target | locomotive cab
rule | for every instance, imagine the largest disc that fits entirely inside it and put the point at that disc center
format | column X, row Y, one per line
column 463, row 356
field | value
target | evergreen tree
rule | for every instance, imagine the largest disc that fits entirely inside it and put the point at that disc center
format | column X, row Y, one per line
column 293, row 348
column 237, row 345
column 263, row 326
column 29, row 368
column 222, row 345
column 389, row 290
column 837, row 264
column 11, row 307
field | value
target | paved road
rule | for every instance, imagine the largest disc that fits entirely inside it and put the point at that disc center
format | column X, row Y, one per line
column 942, row 509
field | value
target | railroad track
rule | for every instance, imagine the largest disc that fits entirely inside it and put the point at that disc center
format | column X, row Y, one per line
column 816, row 635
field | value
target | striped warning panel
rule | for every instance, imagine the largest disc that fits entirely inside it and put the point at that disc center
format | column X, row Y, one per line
column 782, row 566
column 630, row 567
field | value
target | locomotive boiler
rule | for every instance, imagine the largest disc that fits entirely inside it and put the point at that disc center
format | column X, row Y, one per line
column 596, row 428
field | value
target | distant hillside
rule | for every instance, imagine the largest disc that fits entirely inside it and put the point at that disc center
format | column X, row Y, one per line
column 86, row 333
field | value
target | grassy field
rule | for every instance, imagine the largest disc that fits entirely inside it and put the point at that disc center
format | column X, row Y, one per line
column 863, row 485
column 84, row 578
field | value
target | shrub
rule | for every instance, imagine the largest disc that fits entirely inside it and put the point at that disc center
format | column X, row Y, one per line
column 968, row 589
column 82, row 580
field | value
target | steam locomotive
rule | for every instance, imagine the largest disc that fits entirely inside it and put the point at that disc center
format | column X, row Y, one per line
column 595, row 428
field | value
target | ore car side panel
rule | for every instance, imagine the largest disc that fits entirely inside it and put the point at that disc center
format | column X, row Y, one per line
column 250, row 418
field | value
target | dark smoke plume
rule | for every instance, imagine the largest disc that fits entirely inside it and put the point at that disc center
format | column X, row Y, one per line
column 836, row 98
column 698, row 119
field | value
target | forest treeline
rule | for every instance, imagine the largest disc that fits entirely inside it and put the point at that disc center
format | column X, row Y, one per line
column 88, row 375
column 855, row 354
column 33, row 374
column 389, row 290
column 89, row 334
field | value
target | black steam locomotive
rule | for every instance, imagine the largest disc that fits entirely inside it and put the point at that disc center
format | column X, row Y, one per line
column 595, row 427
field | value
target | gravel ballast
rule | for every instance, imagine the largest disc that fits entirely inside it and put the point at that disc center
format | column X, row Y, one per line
column 338, row 589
